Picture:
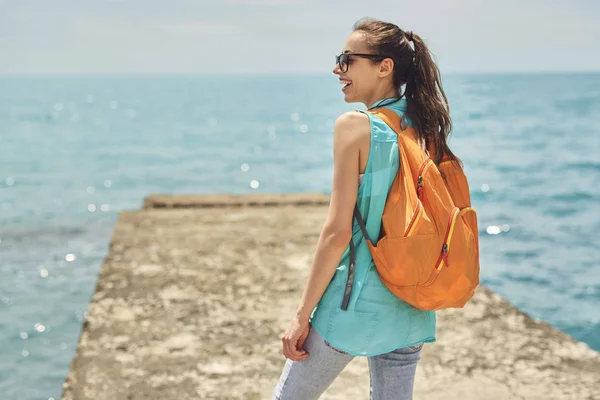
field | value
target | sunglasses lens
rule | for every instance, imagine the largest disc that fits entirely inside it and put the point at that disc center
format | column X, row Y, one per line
column 342, row 61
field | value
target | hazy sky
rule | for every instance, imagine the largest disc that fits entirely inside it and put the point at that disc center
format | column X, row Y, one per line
column 288, row 36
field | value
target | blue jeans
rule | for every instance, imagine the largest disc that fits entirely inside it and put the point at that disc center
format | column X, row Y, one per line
column 392, row 374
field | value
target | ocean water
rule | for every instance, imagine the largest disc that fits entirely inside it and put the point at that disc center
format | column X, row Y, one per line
column 74, row 151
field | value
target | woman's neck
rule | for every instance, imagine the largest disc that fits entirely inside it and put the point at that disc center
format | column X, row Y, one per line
column 390, row 93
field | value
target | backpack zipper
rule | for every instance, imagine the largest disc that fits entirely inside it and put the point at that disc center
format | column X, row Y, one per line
column 424, row 166
column 417, row 212
column 443, row 259
column 410, row 226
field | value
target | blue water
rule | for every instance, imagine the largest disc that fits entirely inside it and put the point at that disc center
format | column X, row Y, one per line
column 76, row 150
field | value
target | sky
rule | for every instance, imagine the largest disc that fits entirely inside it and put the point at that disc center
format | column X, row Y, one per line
column 288, row 36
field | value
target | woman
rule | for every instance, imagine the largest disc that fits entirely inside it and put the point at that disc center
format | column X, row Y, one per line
column 380, row 66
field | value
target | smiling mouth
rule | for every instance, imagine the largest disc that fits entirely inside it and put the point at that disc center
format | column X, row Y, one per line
column 344, row 83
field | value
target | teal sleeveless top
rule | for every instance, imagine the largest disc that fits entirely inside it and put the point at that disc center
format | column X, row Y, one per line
column 376, row 321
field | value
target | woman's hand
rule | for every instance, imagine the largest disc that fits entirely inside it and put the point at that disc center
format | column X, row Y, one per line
column 293, row 340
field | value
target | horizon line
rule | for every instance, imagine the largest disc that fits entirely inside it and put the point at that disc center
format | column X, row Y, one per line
column 277, row 74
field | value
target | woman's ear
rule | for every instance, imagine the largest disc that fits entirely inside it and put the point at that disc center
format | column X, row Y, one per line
column 386, row 67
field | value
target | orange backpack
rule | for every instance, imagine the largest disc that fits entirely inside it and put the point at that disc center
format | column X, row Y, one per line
column 429, row 253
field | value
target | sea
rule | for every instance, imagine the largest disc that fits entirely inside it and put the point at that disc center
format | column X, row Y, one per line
column 77, row 150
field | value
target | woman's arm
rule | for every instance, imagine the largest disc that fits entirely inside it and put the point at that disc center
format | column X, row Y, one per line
column 349, row 129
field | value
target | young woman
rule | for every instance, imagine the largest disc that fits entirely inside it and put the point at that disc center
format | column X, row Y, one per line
column 380, row 66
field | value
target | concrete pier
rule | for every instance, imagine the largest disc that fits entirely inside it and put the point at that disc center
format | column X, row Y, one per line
column 195, row 292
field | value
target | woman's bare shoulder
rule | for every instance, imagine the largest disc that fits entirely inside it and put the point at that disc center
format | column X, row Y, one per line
column 352, row 125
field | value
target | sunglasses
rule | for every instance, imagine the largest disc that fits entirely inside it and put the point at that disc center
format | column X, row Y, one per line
column 344, row 59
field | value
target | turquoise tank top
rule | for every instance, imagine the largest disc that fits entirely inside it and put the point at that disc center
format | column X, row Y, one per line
column 376, row 321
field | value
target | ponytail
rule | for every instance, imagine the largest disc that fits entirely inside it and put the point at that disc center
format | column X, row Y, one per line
column 428, row 106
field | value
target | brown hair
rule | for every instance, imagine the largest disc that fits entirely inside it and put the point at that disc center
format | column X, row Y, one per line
column 428, row 107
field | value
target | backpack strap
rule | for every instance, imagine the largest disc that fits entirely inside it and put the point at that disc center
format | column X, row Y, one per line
column 393, row 120
column 350, row 280
column 361, row 223
column 351, row 268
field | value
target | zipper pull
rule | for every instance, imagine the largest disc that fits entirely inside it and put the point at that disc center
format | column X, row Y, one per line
column 445, row 254
column 420, row 187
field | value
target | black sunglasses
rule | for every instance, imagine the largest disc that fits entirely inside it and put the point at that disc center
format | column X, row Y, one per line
column 344, row 59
